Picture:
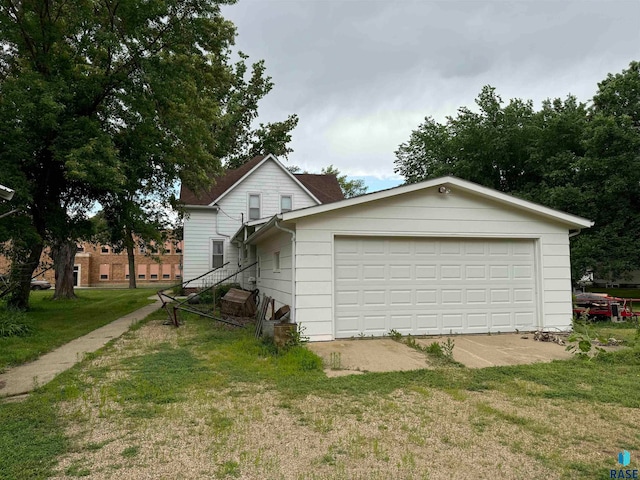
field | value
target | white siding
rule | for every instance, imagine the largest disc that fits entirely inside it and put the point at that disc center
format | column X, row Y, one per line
column 199, row 229
column 275, row 284
column 270, row 181
column 423, row 214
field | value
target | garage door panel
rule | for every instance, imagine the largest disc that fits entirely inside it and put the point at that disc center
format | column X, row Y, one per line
column 452, row 297
column 400, row 297
column 426, row 272
column 476, row 296
column 373, row 298
column 451, row 272
column 426, row 322
column 400, row 272
column 524, row 320
column 477, row 320
column 451, row 321
column 347, row 272
column 373, row 272
column 475, row 272
column 501, row 320
column 499, row 295
column 433, row 286
column 523, row 271
column 348, row 298
column 426, row 297
column 373, row 323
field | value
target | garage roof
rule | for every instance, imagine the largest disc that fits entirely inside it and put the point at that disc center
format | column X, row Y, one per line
column 449, row 184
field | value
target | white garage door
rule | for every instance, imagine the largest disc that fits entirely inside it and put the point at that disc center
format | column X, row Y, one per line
column 433, row 286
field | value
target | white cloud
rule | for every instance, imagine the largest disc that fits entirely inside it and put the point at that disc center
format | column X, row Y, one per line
column 363, row 75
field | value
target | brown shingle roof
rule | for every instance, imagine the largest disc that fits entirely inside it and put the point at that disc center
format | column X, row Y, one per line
column 223, row 183
column 324, row 187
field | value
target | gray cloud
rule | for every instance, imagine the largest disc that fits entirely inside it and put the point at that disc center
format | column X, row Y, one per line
column 363, row 74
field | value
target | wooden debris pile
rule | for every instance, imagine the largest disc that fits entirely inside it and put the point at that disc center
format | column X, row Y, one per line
column 541, row 336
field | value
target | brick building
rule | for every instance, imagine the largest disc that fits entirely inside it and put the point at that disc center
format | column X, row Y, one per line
column 97, row 265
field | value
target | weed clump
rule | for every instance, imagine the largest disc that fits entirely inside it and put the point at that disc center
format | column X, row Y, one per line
column 14, row 323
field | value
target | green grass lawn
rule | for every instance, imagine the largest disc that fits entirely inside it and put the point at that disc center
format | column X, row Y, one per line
column 127, row 405
column 56, row 322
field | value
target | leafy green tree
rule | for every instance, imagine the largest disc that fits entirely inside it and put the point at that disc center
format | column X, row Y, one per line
column 109, row 100
column 567, row 156
column 350, row 188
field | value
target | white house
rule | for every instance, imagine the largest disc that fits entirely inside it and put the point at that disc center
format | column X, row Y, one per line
column 241, row 199
column 437, row 257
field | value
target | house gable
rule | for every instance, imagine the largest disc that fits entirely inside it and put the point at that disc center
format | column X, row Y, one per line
column 443, row 188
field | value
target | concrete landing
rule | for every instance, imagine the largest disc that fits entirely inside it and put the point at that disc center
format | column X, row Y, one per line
column 25, row 378
column 344, row 357
column 479, row 351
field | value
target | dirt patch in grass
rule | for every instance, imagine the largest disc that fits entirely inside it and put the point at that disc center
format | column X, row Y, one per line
column 254, row 430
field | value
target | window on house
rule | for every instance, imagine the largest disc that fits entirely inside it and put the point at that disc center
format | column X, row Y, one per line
column 276, row 261
column 178, row 247
column 126, row 272
column 217, row 253
column 142, row 272
column 166, row 270
column 143, row 249
column 154, row 271
column 104, row 249
column 104, row 271
column 285, row 203
column 80, row 248
column 254, row 207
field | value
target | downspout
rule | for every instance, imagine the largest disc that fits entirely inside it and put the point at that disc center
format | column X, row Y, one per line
column 293, row 269
column 573, row 234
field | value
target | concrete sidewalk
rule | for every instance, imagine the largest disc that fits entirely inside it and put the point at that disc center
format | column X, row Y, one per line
column 25, row 378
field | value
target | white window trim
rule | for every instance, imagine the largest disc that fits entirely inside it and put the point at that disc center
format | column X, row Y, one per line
column 216, row 239
column 79, row 274
column 249, row 195
column 276, row 264
column 290, row 197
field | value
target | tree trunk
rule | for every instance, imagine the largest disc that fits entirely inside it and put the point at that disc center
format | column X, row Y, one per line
column 63, row 254
column 21, row 272
column 128, row 241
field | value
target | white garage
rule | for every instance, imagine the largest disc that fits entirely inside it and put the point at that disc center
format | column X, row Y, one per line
column 427, row 286
column 441, row 256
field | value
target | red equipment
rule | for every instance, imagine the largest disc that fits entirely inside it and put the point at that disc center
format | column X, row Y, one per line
column 602, row 307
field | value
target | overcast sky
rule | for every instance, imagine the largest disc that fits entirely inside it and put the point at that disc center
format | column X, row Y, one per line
column 361, row 75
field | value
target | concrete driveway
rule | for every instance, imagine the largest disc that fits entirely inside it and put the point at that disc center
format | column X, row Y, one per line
column 343, row 357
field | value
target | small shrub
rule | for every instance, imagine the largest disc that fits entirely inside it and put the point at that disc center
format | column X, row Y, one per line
column 582, row 344
column 435, row 349
column 447, row 348
column 395, row 335
column 14, row 323
column 297, row 337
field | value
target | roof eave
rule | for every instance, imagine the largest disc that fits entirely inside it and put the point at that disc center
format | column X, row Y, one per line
column 201, row 207
column 485, row 192
column 262, row 230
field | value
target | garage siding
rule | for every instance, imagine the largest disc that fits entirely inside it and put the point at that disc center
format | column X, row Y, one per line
column 273, row 283
column 427, row 214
